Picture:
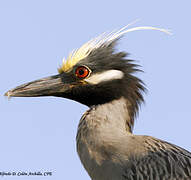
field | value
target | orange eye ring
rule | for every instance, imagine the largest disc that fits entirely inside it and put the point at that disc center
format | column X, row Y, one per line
column 82, row 72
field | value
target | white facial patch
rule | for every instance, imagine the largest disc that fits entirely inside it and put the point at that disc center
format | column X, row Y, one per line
column 105, row 76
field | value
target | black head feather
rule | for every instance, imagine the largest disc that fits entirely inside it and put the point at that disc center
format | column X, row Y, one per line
column 130, row 87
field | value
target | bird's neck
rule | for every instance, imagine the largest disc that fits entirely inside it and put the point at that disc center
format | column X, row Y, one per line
column 113, row 116
column 101, row 128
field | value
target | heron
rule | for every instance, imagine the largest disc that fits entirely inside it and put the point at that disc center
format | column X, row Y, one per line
column 105, row 80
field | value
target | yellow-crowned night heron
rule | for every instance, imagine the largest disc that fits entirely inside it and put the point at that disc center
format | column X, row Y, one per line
column 104, row 80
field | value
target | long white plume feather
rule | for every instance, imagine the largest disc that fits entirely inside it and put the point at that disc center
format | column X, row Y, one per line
column 101, row 40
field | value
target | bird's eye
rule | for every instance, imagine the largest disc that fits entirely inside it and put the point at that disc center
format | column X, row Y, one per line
column 82, row 72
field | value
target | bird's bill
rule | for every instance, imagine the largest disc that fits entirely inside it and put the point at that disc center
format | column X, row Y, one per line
column 50, row 86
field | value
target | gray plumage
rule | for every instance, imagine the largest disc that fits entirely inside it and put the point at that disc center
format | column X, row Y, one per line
column 109, row 152
column 97, row 76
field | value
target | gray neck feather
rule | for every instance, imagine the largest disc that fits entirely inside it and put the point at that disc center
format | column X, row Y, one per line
column 115, row 115
column 109, row 117
column 101, row 128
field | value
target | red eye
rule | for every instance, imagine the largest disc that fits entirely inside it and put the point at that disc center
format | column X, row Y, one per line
column 82, row 72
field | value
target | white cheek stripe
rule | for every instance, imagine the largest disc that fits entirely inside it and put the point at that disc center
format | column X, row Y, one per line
column 105, row 76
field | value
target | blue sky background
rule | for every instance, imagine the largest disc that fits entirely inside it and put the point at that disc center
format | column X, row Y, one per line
column 38, row 134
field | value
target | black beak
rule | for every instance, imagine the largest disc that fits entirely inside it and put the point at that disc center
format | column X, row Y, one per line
column 50, row 86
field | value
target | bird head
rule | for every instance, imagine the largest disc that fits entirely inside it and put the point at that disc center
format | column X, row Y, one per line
column 93, row 74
